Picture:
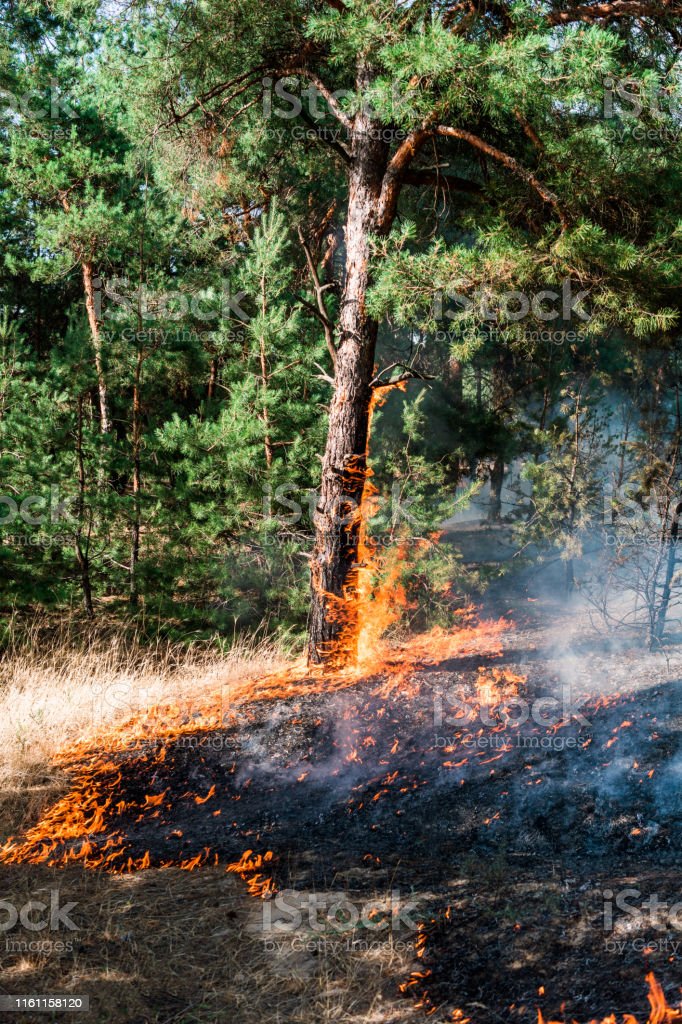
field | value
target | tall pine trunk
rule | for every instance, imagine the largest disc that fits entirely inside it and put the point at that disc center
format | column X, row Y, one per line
column 136, row 439
column 334, row 563
column 82, row 536
column 93, row 321
column 264, row 382
column 90, row 305
column 496, row 485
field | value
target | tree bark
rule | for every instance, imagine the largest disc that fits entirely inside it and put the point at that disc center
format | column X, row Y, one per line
column 662, row 612
column 264, row 380
column 93, row 320
column 88, row 284
column 136, row 440
column 334, row 563
column 496, row 484
column 82, row 539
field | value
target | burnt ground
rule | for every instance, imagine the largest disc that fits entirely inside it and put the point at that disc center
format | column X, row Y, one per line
column 513, row 837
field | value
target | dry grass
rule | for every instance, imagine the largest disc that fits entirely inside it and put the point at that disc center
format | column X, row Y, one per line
column 164, row 946
column 156, row 946
column 63, row 684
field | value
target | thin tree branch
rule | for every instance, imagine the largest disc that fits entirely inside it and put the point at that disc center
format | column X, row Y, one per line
column 319, row 288
column 510, row 163
column 409, row 374
column 244, row 81
column 334, row 144
column 324, row 91
column 529, row 131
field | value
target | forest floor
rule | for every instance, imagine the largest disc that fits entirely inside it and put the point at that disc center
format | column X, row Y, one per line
column 477, row 839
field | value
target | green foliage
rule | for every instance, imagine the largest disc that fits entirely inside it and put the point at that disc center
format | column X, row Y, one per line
column 162, row 164
column 568, row 480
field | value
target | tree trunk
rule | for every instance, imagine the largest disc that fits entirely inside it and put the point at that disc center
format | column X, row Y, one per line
column 137, row 480
column 662, row 614
column 264, row 380
column 570, row 576
column 212, row 379
column 496, row 484
column 334, row 563
column 81, row 540
column 90, row 305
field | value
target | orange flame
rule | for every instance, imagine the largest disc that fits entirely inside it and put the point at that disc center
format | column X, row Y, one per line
column 248, row 869
column 660, row 1012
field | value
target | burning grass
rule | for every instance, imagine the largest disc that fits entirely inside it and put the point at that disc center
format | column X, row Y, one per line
column 153, row 945
column 270, row 780
column 63, row 685
column 86, row 822
column 660, row 1011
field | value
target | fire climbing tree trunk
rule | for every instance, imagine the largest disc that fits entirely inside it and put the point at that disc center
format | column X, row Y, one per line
column 334, row 561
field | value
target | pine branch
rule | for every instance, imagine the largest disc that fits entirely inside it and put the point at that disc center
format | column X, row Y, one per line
column 409, row 374
column 593, row 12
column 511, row 163
column 240, row 84
column 324, row 91
column 321, row 311
column 334, row 144
column 397, row 167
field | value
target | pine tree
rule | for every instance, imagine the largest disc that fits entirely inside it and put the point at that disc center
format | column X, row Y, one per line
column 506, row 98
